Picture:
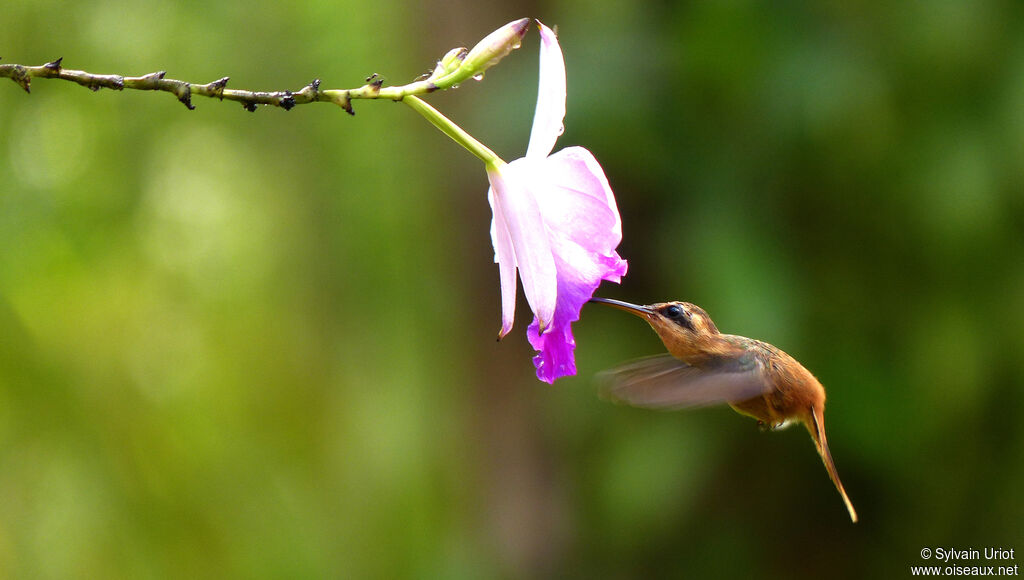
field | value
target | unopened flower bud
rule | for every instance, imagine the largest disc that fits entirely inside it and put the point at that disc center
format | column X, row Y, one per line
column 453, row 59
column 494, row 47
column 450, row 63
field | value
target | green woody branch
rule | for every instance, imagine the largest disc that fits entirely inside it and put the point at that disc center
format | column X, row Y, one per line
column 217, row 89
column 456, row 66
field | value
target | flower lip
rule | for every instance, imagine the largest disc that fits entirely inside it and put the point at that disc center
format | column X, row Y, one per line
column 628, row 307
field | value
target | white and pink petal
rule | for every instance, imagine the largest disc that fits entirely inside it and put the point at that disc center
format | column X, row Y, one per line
column 504, row 254
column 514, row 194
column 550, row 110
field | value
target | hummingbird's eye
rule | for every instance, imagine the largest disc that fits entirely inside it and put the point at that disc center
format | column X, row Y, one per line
column 679, row 315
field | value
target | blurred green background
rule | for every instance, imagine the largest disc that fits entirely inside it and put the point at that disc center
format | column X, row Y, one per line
column 262, row 345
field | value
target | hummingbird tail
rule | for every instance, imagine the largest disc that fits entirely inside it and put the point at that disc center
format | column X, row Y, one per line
column 818, row 434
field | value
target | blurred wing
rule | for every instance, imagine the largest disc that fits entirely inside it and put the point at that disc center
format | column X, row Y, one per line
column 665, row 382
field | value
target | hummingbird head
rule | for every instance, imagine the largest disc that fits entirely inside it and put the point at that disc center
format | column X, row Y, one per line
column 683, row 316
column 682, row 326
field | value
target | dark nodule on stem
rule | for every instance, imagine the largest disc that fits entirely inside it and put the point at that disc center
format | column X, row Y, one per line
column 287, row 101
column 348, row 104
column 185, row 96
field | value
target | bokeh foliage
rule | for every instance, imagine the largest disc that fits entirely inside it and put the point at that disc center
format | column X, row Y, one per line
column 262, row 345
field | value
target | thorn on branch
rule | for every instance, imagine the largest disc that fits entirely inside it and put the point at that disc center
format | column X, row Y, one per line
column 54, row 65
column 375, row 81
column 347, row 105
column 184, row 93
column 217, row 87
column 21, row 77
column 310, row 92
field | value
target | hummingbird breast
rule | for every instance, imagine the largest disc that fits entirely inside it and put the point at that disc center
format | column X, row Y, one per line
column 791, row 390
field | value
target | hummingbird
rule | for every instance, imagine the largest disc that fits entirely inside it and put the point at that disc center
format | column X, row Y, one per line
column 706, row 367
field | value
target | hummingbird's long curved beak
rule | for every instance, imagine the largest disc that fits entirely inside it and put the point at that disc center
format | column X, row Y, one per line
column 631, row 308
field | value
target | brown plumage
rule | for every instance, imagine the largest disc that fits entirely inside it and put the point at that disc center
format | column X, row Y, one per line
column 706, row 367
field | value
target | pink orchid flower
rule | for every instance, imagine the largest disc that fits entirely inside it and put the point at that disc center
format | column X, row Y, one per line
column 556, row 222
